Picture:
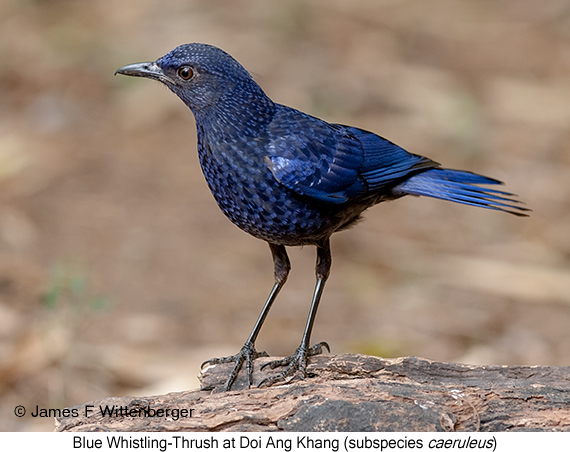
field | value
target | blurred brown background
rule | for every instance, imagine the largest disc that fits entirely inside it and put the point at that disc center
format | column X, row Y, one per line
column 118, row 273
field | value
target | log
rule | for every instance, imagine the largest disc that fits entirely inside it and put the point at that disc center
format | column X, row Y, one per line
column 348, row 393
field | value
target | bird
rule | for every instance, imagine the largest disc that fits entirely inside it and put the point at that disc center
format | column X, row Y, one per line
column 292, row 179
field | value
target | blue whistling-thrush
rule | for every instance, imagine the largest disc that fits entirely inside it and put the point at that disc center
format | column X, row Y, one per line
column 292, row 179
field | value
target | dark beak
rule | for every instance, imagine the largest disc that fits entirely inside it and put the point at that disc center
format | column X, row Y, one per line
column 148, row 70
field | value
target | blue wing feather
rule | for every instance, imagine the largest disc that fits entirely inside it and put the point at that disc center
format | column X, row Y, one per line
column 335, row 164
column 332, row 162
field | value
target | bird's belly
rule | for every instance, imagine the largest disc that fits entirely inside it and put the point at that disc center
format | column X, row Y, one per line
column 262, row 207
column 249, row 195
column 276, row 216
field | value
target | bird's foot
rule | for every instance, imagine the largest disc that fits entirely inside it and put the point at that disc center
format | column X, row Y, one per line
column 296, row 364
column 247, row 354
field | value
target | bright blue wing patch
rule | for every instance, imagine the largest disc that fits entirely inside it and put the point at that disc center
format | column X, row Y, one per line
column 334, row 163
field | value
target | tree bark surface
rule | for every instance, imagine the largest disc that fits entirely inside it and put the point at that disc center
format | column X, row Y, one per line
column 349, row 393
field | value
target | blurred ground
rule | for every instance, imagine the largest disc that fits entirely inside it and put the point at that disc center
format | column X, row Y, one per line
column 118, row 273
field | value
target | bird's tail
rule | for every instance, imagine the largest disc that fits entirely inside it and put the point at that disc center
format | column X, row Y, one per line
column 462, row 187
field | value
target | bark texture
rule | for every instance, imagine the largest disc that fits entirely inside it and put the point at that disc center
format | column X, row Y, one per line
column 350, row 393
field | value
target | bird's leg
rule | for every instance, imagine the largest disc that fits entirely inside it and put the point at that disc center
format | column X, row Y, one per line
column 248, row 353
column 299, row 360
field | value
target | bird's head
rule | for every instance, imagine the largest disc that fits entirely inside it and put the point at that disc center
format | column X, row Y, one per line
column 201, row 75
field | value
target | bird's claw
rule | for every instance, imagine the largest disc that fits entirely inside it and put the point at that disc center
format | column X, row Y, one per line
column 296, row 363
column 247, row 354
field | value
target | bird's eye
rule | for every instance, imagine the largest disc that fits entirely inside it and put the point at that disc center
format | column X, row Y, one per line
column 185, row 72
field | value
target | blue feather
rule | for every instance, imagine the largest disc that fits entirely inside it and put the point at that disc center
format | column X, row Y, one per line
column 457, row 186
